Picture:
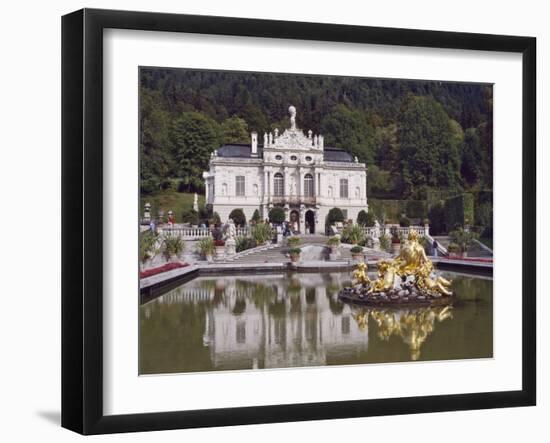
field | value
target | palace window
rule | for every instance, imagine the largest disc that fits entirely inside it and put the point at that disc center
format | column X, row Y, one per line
column 308, row 186
column 343, row 188
column 294, row 158
column 239, row 185
column 278, row 157
column 278, row 185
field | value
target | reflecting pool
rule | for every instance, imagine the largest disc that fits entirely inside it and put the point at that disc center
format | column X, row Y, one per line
column 290, row 320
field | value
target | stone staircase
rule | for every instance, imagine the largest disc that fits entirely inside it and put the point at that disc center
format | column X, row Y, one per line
column 277, row 253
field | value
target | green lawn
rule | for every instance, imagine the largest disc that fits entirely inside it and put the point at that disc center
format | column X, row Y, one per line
column 169, row 200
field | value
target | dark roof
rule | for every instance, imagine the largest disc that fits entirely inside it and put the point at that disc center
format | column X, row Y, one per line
column 337, row 155
column 237, row 150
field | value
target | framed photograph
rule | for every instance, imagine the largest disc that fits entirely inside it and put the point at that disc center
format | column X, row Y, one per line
column 270, row 221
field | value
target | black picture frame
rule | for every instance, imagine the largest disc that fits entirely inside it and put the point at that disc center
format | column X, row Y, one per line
column 82, row 216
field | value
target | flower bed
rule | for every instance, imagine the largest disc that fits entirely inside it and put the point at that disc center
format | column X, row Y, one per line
column 161, row 269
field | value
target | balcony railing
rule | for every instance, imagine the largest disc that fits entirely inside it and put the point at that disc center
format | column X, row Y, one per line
column 294, row 199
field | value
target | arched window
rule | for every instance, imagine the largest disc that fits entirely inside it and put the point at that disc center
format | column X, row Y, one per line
column 239, row 185
column 343, row 188
column 308, row 186
column 278, row 185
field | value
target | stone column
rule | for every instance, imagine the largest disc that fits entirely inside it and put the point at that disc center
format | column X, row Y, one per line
column 302, row 219
column 300, row 187
column 265, row 188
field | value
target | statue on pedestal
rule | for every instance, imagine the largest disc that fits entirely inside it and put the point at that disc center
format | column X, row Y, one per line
column 230, row 242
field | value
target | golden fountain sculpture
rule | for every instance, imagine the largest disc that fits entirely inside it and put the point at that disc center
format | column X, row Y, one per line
column 408, row 278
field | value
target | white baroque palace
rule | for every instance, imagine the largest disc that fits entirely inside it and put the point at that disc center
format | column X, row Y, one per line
column 291, row 170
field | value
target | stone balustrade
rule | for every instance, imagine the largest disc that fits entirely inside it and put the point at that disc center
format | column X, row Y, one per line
column 193, row 233
column 377, row 231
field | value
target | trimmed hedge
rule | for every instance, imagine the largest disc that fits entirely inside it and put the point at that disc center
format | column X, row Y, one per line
column 334, row 215
column 277, row 215
column 459, row 211
column 238, row 217
column 365, row 218
column 393, row 209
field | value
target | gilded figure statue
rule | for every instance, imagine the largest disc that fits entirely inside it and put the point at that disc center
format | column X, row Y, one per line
column 409, row 277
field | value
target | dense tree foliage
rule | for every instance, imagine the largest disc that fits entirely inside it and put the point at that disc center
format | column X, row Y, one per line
column 415, row 136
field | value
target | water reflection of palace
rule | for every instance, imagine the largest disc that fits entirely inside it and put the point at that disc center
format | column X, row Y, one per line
column 283, row 320
column 273, row 325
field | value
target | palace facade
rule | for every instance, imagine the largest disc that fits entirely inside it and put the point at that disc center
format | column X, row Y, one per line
column 291, row 170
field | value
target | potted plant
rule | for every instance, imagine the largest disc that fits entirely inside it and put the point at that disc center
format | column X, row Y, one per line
column 206, row 248
column 293, row 242
column 219, row 244
column 172, row 247
column 147, row 248
column 453, row 248
column 262, row 233
column 463, row 238
column 333, row 243
column 294, row 254
column 353, row 234
column 357, row 253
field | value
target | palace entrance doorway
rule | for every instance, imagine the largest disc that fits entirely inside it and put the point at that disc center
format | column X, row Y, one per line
column 310, row 222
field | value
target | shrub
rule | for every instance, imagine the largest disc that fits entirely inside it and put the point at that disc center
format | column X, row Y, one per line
column 256, row 216
column 190, row 216
column 353, row 234
column 147, row 245
column 385, row 242
column 205, row 246
column 172, row 245
column 262, row 233
column 333, row 241
column 365, row 218
column 334, row 215
column 244, row 243
column 404, row 222
column 216, row 220
column 293, row 241
column 238, row 217
column 276, row 215
column 462, row 238
column 356, row 250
